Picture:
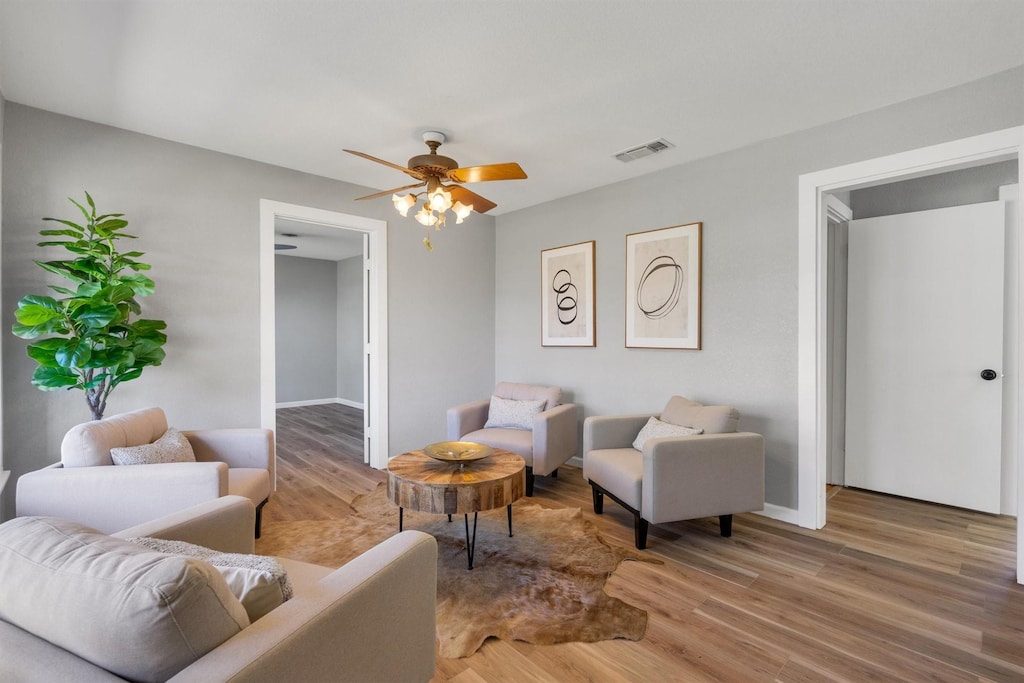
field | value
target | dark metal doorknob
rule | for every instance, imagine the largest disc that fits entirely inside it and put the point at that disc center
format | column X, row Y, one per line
column 988, row 375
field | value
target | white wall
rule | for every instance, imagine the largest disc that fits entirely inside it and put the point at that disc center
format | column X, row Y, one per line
column 196, row 213
column 306, row 303
column 349, row 378
column 747, row 201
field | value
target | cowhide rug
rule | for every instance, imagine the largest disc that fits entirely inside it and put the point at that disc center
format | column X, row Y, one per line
column 544, row 585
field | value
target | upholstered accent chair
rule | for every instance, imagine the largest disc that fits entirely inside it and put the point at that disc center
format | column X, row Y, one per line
column 691, row 463
column 527, row 419
column 87, row 487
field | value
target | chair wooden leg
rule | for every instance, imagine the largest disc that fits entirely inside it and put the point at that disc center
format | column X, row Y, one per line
column 598, row 500
column 725, row 525
column 640, row 531
column 529, row 481
column 259, row 517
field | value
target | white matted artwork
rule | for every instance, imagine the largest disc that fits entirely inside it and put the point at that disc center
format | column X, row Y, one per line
column 663, row 288
column 567, row 295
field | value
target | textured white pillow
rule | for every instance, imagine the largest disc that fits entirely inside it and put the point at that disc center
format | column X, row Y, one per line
column 259, row 582
column 655, row 428
column 139, row 614
column 171, row 447
column 506, row 412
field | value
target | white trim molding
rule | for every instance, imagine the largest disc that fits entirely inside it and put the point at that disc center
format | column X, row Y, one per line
column 377, row 345
column 812, row 439
column 320, row 402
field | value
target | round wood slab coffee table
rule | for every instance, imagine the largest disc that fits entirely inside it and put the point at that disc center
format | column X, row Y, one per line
column 418, row 482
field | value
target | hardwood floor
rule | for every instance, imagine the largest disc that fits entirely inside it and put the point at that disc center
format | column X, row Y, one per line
column 889, row 590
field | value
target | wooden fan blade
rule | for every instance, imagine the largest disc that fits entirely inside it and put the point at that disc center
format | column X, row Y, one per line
column 461, row 194
column 478, row 174
column 392, row 191
column 403, row 169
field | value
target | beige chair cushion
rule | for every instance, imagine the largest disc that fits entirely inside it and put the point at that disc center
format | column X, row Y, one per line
column 137, row 613
column 89, row 444
column 518, row 441
column 529, row 392
column 251, row 482
column 712, row 419
column 619, row 471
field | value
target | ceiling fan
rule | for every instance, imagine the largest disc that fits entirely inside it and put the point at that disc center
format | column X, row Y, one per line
column 442, row 177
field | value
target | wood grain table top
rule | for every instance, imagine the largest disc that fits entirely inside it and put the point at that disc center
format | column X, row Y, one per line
column 418, row 482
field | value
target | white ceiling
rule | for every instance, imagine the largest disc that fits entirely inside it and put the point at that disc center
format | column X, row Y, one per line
column 556, row 85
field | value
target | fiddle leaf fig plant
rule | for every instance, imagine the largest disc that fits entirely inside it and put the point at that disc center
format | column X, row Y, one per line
column 88, row 339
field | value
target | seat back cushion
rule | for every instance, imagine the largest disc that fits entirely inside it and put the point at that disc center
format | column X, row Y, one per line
column 529, row 392
column 139, row 614
column 89, row 444
column 712, row 419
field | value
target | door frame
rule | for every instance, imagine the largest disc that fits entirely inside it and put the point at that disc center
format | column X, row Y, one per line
column 812, row 342
column 375, row 381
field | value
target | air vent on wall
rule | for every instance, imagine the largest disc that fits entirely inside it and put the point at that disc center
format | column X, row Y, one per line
column 645, row 150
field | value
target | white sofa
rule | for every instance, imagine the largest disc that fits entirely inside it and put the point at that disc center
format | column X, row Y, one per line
column 86, row 486
column 371, row 620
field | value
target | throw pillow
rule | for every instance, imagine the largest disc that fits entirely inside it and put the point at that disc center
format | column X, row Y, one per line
column 139, row 614
column 173, row 446
column 655, row 428
column 506, row 412
column 259, row 582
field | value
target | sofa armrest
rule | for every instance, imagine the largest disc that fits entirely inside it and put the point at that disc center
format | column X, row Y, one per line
column 611, row 431
column 371, row 620
column 112, row 497
column 224, row 524
column 467, row 418
column 702, row 476
column 246, row 447
column 555, row 437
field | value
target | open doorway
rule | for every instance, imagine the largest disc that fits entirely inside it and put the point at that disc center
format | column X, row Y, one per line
column 371, row 260
column 813, row 304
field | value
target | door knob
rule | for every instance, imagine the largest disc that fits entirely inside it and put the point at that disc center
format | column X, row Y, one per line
column 988, row 375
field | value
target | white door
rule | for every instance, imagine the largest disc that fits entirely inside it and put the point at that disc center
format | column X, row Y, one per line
column 924, row 322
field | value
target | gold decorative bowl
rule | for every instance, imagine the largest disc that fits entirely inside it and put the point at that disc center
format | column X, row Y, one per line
column 458, row 451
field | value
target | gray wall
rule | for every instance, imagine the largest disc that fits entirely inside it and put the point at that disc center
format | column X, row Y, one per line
column 306, row 307
column 956, row 188
column 747, row 201
column 196, row 213
column 350, row 330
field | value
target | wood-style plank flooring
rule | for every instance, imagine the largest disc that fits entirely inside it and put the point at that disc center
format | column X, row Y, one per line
column 889, row 590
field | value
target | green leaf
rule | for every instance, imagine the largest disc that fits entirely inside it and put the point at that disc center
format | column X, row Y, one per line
column 44, row 352
column 126, row 376
column 37, row 310
column 27, row 331
column 140, row 284
column 87, row 214
column 70, row 224
column 73, row 353
column 95, row 316
column 112, row 225
column 62, row 290
column 51, row 379
column 78, row 234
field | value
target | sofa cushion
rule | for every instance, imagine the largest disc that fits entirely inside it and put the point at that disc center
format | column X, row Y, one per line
column 512, row 413
column 137, row 613
column 619, row 471
column 518, row 441
column 259, row 582
column 529, row 392
column 712, row 419
column 171, row 447
column 656, row 429
column 89, row 444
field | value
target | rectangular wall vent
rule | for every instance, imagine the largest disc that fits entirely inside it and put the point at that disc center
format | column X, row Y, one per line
column 645, row 150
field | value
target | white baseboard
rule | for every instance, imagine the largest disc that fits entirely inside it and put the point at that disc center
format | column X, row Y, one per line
column 575, row 461
column 320, row 402
column 783, row 514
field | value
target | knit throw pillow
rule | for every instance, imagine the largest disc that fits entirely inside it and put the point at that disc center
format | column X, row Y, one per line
column 171, row 447
column 512, row 414
column 655, row 428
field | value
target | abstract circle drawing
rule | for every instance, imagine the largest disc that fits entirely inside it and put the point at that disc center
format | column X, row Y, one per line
column 566, row 296
column 655, row 297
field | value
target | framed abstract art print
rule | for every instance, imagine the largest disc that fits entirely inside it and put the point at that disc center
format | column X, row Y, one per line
column 567, row 295
column 663, row 288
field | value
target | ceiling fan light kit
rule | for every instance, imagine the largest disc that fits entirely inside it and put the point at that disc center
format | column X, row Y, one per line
column 433, row 170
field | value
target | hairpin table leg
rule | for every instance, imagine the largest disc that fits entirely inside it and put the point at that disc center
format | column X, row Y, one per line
column 470, row 543
column 510, row 521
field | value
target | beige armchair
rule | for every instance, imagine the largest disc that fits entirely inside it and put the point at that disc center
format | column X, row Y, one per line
column 86, row 487
column 535, row 424
column 717, row 472
column 371, row 620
